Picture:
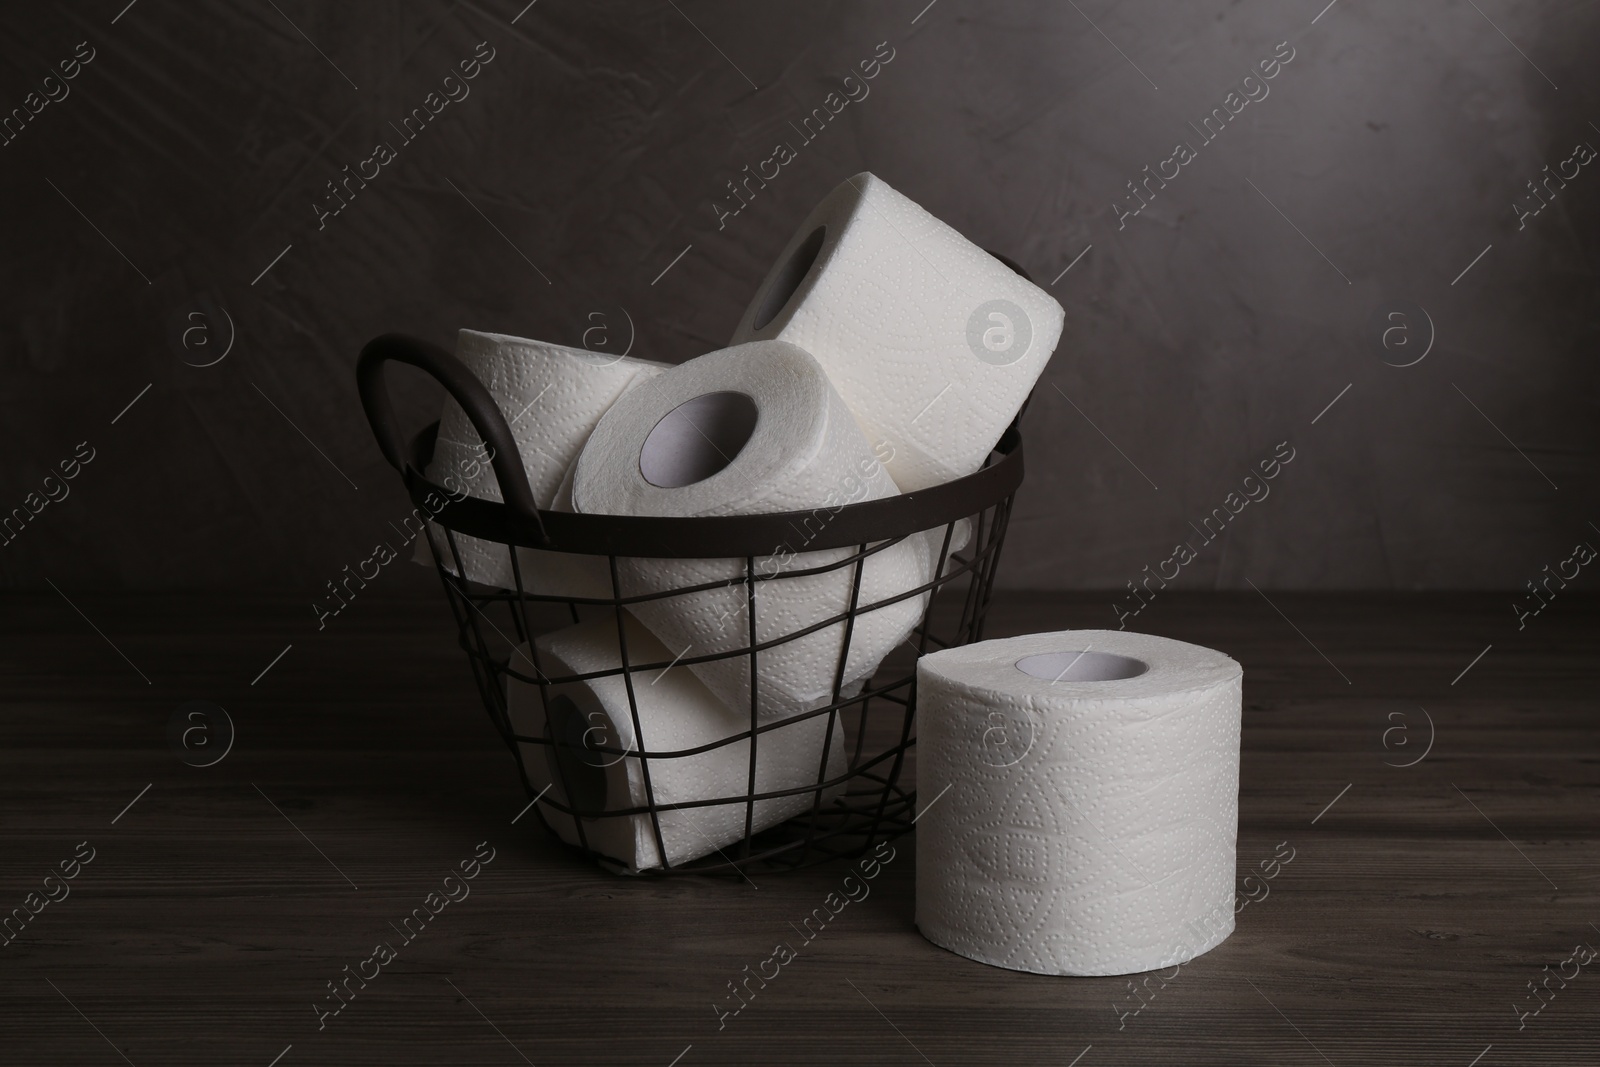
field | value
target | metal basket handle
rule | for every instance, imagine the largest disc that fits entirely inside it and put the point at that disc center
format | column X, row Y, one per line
column 480, row 407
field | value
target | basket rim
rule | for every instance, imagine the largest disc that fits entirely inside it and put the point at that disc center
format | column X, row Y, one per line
column 772, row 533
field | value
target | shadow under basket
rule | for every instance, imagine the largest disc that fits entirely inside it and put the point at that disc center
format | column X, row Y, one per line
column 841, row 806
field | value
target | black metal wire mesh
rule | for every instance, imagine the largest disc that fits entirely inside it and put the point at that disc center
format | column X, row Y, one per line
column 852, row 805
column 849, row 812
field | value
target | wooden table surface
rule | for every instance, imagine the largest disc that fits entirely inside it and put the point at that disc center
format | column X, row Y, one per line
column 220, row 901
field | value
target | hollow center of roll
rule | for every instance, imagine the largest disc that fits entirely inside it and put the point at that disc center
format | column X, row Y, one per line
column 789, row 277
column 1086, row 666
column 697, row 439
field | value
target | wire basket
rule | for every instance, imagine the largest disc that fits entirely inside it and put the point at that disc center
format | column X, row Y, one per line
column 842, row 809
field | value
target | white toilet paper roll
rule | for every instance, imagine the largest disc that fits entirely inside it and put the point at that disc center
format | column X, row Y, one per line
column 552, row 397
column 933, row 343
column 1092, row 808
column 675, row 712
column 752, row 429
column 960, row 537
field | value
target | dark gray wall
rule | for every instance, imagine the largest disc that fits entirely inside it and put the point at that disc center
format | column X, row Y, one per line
column 589, row 153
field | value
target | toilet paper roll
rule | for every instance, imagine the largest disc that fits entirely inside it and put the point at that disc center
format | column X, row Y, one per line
column 1082, row 800
column 960, row 537
column 752, row 429
column 552, row 397
column 675, row 712
column 933, row 343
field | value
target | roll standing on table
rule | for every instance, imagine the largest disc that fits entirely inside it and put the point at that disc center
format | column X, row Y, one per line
column 1080, row 800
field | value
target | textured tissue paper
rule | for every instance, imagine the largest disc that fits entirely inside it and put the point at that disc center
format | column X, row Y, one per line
column 1081, row 801
column 552, row 397
column 676, row 712
column 933, row 343
column 756, row 428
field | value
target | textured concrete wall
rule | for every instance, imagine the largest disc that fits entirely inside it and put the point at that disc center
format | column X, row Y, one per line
column 195, row 145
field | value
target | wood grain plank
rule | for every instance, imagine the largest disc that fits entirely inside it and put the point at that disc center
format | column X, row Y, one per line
column 207, row 926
